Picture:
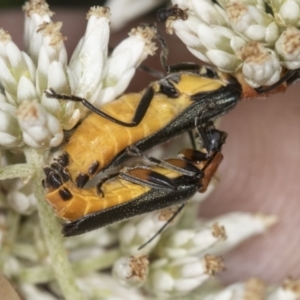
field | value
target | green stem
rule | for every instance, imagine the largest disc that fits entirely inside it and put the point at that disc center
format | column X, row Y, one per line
column 17, row 170
column 44, row 274
column 51, row 230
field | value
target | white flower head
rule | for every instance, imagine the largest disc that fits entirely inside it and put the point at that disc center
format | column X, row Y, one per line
column 226, row 36
column 288, row 47
column 252, row 23
column 90, row 74
column 261, row 66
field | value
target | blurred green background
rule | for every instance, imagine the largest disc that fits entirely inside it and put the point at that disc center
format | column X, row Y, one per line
column 18, row 3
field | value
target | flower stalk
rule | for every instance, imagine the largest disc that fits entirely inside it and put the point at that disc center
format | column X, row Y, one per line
column 51, row 230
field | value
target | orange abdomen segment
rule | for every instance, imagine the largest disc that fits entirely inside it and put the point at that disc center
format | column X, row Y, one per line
column 86, row 201
column 100, row 140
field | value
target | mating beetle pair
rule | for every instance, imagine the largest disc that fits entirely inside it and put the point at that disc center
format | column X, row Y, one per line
column 168, row 108
column 189, row 97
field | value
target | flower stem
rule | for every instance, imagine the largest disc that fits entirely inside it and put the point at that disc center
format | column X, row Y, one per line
column 51, row 231
column 17, row 170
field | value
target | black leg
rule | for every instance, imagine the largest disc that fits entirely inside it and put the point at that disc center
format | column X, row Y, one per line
column 164, row 226
column 146, row 177
column 99, row 184
column 180, row 168
column 138, row 115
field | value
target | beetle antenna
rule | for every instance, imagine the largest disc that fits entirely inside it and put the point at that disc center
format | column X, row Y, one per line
column 163, row 227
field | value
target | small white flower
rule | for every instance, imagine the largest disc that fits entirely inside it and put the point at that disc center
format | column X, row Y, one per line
column 51, row 51
column 222, row 45
column 22, row 199
column 40, row 129
column 186, row 242
column 87, row 62
column 288, row 47
column 15, row 68
column 261, row 66
column 131, row 271
column 36, row 13
column 239, row 227
column 208, row 12
column 252, row 23
column 122, row 63
column 186, row 30
column 174, row 278
column 286, row 12
column 10, row 133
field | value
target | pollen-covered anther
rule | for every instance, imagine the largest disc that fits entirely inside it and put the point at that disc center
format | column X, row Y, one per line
column 139, row 267
column 147, row 33
column 39, row 7
column 255, row 289
column 4, row 36
column 52, row 30
column 98, row 12
column 213, row 264
column 218, row 231
column 235, row 11
column 254, row 52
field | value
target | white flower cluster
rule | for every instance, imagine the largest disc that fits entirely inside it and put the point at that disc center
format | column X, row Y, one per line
column 27, row 116
column 186, row 258
column 178, row 263
column 258, row 38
